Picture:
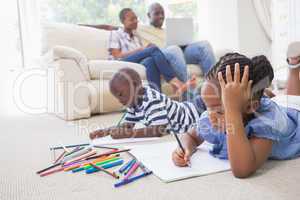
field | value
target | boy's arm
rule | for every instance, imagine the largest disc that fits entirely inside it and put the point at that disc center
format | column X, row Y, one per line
column 106, row 131
column 150, row 131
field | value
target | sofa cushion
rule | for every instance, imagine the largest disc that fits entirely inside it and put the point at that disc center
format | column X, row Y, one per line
column 104, row 69
column 90, row 41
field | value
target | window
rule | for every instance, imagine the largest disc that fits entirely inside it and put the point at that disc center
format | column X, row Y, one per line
column 11, row 44
column 106, row 11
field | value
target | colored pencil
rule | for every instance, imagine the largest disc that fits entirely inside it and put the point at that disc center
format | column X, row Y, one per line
column 142, row 166
column 51, row 172
column 88, row 166
column 76, row 154
column 105, row 166
column 82, row 157
column 129, row 167
column 85, row 163
column 129, row 180
column 125, row 166
column 181, row 147
column 113, row 174
column 120, row 121
column 60, row 157
column 105, row 147
column 106, row 154
column 132, row 170
column 75, row 150
column 48, row 168
column 69, row 146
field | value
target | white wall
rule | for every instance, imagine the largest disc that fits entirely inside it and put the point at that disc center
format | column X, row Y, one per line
column 218, row 23
column 252, row 38
column 232, row 24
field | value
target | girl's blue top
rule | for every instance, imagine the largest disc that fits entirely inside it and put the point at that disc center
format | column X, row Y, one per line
column 271, row 121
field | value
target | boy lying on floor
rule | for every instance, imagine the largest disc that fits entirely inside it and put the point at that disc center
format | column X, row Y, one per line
column 155, row 110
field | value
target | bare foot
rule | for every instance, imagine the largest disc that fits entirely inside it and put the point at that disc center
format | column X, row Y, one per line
column 191, row 83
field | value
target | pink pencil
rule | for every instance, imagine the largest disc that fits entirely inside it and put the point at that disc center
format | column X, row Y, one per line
column 132, row 170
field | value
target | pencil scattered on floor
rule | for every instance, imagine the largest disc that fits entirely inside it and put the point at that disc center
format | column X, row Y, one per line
column 85, row 158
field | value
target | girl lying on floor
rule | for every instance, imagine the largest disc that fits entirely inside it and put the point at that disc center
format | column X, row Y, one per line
column 245, row 127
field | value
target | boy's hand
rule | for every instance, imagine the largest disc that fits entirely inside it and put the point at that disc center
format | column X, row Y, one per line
column 98, row 133
column 181, row 159
column 235, row 92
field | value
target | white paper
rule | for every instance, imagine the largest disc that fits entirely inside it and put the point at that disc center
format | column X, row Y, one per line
column 108, row 140
column 157, row 158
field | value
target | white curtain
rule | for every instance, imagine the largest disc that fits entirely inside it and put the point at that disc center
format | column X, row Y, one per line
column 29, row 13
column 263, row 12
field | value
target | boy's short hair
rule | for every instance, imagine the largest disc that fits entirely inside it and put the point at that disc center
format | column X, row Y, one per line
column 123, row 12
column 127, row 75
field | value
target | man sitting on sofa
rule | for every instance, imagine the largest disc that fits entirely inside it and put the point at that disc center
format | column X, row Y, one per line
column 200, row 53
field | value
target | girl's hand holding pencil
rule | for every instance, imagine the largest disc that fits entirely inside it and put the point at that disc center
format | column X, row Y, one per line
column 180, row 158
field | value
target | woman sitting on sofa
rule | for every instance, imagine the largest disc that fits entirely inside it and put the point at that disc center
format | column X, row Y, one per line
column 126, row 45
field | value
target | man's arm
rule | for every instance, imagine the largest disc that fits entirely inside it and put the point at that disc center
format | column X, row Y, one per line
column 101, row 26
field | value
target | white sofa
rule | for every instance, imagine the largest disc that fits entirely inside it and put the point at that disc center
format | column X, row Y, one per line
column 78, row 54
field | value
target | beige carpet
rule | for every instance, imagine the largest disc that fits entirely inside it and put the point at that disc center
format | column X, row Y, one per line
column 24, row 150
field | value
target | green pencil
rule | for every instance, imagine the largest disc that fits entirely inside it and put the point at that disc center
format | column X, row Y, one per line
column 123, row 116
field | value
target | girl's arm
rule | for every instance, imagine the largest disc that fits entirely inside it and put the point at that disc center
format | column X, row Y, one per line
column 190, row 142
column 118, row 54
column 245, row 155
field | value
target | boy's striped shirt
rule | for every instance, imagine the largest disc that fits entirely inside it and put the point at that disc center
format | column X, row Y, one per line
column 158, row 109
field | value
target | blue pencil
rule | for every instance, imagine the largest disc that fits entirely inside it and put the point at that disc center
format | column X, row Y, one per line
column 125, row 167
column 129, row 167
column 129, row 180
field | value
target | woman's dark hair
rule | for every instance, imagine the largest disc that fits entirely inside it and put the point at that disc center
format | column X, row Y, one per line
column 123, row 12
column 260, row 70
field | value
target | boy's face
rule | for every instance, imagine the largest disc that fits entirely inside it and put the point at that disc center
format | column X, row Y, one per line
column 125, row 93
column 211, row 95
column 157, row 16
column 130, row 21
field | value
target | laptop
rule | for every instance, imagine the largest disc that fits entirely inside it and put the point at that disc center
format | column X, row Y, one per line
column 179, row 31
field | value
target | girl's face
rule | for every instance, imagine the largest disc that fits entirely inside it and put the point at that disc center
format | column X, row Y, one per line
column 211, row 95
column 130, row 21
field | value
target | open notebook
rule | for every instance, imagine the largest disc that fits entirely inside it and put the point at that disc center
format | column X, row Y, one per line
column 157, row 158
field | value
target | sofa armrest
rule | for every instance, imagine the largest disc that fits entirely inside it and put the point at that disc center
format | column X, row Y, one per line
column 67, row 53
column 71, row 93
